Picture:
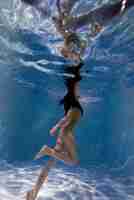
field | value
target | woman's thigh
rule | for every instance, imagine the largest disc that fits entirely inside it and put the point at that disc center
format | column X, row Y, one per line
column 60, row 146
column 70, row 146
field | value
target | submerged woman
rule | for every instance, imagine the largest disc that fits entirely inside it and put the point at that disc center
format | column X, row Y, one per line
column 65, row 148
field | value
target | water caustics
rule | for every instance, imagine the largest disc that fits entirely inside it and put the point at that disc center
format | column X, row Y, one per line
column 32, row 76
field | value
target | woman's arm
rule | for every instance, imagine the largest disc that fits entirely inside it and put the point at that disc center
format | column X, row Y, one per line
column 61, row 123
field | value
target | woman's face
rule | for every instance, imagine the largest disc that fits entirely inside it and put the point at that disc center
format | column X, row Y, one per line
column 67, row 53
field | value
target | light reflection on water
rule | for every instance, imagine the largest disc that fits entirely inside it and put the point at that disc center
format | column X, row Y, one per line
column 32, row 68
column 65, row 183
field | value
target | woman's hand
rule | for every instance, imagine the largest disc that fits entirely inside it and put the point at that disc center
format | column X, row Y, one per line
column 60, row 124
column 54, row 129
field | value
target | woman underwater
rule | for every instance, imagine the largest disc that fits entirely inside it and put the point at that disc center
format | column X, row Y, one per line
column 65, row 148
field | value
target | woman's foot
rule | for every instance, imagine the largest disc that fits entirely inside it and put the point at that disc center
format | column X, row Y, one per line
column 45, row 150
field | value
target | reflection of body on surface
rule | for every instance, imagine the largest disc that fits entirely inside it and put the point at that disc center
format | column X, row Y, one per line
column 68, row 25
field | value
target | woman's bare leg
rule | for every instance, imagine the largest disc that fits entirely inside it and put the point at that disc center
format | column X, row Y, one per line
column 66, row 154
column 32, row 194
column 69, row 142
column 60, row 155
column 67, row 151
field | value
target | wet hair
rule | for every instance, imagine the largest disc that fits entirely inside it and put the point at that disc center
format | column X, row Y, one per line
column 70, row 101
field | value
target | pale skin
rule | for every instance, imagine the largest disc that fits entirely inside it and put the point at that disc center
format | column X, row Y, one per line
column 68, row 44
column 65, row 152
column 60, row 22
column 66, row 24
column 32, row 194
column 65, row 148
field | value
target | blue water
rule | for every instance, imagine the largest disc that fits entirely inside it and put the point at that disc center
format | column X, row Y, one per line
column 31, row 86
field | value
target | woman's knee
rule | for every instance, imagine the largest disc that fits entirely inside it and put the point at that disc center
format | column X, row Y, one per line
column 75, row 162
